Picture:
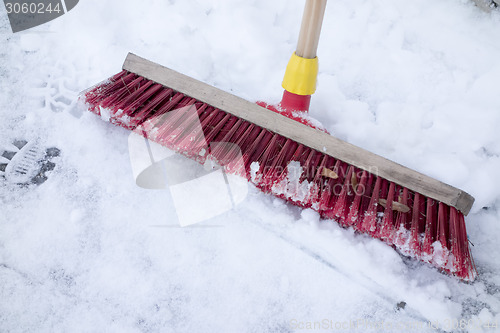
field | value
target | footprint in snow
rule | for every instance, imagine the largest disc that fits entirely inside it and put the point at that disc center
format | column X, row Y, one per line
column 25, row 163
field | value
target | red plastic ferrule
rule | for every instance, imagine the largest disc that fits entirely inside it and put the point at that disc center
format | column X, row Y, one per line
column 293, row 102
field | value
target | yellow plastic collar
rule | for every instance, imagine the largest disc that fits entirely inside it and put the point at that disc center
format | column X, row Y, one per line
column 300, row 76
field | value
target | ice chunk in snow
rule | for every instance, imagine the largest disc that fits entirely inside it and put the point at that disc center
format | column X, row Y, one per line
column 105, row 113
column 254, row 169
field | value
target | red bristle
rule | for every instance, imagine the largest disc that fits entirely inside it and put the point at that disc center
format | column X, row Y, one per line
column 441, row 227
column 148, row 110
column 365, row 201
column 135, row 94
column 250, row 137
column 354, row 213
column 244, row 140
column 341, row 169
column 191, row 139
column 147, row 93
column 269, row 154
column 292, row 184
column 214, row 128
column 117, row 91
column 188, row 117
column 116, row 98
column 340, row 208
column 414, row 244
column 308, row 187
column 430, row 229
column 123, row 115
column 244, row 132
column 122, row 77
column 282, row 185
column 324, row 161
column 289, row 148
column 226, row 135
column 313, row 166
column 232, row 155
column 387, row 229
column 168, row 120
column 384, row 190
column 467, row 270
column 119, row 76
column 369, row 223
column 256, row 148
column 211, row 115
column 316, row 182
column 327, row 184
column 301, row 153
column 223, row 140
column 328, row 197
column 308, row 164
column 186, row 101
column 244, row 137
column 421, row 216
column 197, row 112
column 198, row 129
column 98, row 94
column 440, row 249
column 409, row 203
column 170, row 105
column 227, row 129
column 455, row 243
column 279, row 164
column 401, row 236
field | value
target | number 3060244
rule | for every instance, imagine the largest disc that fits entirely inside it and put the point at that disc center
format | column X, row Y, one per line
column 32, row 8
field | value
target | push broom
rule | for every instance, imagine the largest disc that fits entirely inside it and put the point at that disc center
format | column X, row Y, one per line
column 419, row 216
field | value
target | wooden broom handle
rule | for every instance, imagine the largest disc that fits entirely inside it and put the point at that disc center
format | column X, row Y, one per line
column 310, row 28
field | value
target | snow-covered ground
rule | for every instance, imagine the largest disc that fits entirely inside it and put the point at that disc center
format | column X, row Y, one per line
column 89, row 251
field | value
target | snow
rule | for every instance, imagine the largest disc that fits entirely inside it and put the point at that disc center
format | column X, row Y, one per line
column 89, row 250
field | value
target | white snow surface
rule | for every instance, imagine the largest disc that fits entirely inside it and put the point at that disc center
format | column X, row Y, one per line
column 89, row 251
